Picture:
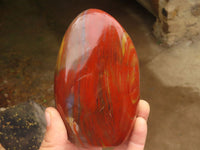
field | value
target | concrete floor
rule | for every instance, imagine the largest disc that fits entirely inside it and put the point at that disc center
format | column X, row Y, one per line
column 30, row 35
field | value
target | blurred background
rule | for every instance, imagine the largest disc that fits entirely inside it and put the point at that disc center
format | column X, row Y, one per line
column 166, row 37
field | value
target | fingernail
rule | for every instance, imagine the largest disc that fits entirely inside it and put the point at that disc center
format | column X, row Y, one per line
column 48, row 119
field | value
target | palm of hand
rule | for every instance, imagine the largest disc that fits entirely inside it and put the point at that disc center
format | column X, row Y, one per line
column 56, row 134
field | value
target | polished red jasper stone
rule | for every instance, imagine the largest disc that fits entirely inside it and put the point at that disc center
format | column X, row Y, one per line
column 97, row 80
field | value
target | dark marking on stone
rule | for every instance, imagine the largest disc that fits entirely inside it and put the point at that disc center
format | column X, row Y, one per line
column 165, row 27
column 164, row 12
column 196, row 10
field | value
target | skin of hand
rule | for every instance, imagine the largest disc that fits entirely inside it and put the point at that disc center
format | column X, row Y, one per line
column 56, row 134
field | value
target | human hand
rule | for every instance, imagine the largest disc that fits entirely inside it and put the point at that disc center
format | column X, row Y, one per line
column 56, row 134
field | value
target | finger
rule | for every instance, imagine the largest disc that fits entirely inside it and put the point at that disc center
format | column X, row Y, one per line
column 138, row 137
column 56, row 133
column 143, row 109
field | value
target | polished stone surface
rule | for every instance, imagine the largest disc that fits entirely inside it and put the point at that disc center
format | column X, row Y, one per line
column 97, row 80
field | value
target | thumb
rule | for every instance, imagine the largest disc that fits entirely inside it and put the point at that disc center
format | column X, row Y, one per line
column 56, row 134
